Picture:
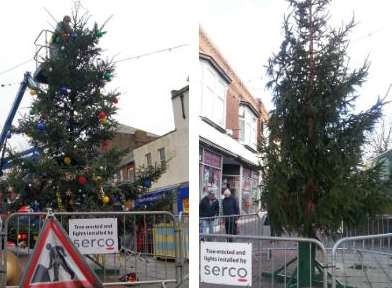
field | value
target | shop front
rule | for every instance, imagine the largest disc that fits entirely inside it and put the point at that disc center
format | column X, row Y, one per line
column 177, row 195
column 219, row 170
column 210, row 172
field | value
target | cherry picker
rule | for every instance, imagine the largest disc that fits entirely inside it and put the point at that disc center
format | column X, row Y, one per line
column 35, row 82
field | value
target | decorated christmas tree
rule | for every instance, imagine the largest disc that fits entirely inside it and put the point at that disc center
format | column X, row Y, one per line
column 70, row 124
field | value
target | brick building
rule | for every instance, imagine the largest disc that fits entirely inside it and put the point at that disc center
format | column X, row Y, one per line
column 127, row 137
column 230, row 124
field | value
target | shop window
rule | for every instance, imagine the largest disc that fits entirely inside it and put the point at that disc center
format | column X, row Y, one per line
column 211, row 180
column 210, row 173
column 249, row 190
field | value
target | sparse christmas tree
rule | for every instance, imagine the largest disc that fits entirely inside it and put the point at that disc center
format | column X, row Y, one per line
column 70, row 123
column 313, row 175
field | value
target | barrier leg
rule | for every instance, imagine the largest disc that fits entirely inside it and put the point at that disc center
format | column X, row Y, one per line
column 306, row 264
column 179, row 256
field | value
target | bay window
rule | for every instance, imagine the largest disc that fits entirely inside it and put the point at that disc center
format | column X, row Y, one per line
column 213, row 94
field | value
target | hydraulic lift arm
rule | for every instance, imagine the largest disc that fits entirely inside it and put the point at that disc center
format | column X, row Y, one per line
column 27, row 82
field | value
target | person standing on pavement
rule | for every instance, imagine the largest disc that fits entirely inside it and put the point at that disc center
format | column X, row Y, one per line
column 230, row 211
column 208, row 209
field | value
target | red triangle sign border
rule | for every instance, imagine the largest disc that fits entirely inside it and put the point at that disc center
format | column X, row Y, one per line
column 51, row 224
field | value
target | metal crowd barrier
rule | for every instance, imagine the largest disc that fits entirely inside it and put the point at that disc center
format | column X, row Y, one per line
column 362, row 261
column 275, row 260
column 257, row 224
column 246, row 224
column 358, row 256
column 183, row 220
column 150, row 246
column 381, row 224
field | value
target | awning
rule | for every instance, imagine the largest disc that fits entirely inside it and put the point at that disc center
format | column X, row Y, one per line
column 151, row 197
column 222, row 142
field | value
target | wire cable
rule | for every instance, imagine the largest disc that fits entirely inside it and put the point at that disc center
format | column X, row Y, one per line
column 16, row 66
column 169, row 49
column 151, row 53
column 3, row 85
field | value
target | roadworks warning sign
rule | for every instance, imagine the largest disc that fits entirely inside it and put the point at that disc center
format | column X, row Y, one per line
column 56, row 262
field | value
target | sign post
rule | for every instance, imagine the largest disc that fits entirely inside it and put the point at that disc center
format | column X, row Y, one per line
column 226, row 263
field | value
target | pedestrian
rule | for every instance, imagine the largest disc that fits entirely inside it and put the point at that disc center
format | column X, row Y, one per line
column 230, row 211
column 208, row 209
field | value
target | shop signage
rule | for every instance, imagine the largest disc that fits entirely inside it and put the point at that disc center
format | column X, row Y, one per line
column 212, row 159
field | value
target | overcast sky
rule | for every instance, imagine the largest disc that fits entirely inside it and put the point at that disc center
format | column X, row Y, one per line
column 247, row 32
column 137, row 27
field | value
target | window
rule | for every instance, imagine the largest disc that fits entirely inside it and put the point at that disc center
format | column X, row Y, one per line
column 249, row 190
column 148, row 159
column 213, row 100
column 248, row 127
column 162, row 157
column 131, row 174
column 210, row 173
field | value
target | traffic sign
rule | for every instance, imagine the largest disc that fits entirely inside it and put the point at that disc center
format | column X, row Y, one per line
column 56, row 262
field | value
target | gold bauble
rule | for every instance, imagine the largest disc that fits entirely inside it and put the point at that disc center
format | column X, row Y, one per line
column 13, row 269
column 67, row 160
column 33, row 92
column 97, row 179
column 103, row 121
column 105, row 199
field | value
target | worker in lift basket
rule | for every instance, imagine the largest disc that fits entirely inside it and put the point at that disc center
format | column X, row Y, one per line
column 63, row 29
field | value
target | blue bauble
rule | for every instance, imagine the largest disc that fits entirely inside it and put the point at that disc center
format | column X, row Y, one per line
column 41, row 126
column 74, row 35
column 9, row 135
column 147, row 183
column 64, row 90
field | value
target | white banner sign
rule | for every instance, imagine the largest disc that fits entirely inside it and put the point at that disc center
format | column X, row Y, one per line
column 94, row 235
column 226, row 263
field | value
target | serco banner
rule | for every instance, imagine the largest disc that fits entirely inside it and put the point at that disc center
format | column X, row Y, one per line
column 94, row 235
column 226, row 263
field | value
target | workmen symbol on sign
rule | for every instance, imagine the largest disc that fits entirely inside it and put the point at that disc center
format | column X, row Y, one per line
column 56, row 260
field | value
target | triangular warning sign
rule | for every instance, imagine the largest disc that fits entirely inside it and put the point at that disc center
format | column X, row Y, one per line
column 56, row 262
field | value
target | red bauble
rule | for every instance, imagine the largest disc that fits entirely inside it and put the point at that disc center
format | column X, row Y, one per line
column 310, row 207
column 105, row 144
column 115, row 100
column 102, row 115
column 82, row 180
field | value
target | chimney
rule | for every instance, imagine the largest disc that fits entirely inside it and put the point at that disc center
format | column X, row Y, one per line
column 180, row 107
